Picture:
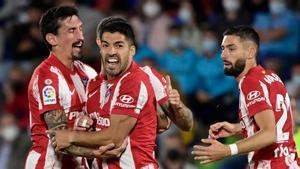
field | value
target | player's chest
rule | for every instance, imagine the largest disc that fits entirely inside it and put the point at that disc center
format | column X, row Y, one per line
column 101, row 99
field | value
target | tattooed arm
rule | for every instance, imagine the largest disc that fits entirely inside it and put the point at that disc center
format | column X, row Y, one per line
column 57, row 120
column 181, row 115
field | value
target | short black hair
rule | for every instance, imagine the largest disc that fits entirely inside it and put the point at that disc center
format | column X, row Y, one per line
column 50, row 20
column 114, row 24
column 244, row 32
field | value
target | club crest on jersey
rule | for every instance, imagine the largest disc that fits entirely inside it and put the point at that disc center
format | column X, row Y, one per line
column 49, row 95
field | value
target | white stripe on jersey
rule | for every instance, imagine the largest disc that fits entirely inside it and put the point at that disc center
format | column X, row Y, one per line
column 126, row 160
column 90, row 72
column 142, row 99
column 266, row 92
column 149, row 166
column 251, row 165
column 104, row 164
column 79, row 87
column 32, row 159
column 245, row 118
column 116, row 92
column 65, row 96
column 36, row 92
column 158, row 87
column 264, row 164
column 103, row 92
column 51, row 161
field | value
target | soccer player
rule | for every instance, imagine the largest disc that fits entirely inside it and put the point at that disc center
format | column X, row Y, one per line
column 122, row 101
column 265, row 110
column 57, row 90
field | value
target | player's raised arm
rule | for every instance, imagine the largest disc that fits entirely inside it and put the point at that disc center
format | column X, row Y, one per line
column 181, row 115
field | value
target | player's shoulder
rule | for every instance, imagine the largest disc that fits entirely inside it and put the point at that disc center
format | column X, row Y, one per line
column 137, row 75
column 44, row 71
column 88, row 70
column 94, row 83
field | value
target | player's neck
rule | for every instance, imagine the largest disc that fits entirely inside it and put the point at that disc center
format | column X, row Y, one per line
column 64, row 60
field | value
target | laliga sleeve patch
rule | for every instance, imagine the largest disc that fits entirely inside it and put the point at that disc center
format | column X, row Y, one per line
column 49, row 95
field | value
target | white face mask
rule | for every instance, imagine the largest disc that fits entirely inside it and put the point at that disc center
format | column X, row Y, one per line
column 151, row 9
column 231, row 5
column 174, row 42
column 277, row 7
column 184, row 15
column 10, row 133
column 209, row 45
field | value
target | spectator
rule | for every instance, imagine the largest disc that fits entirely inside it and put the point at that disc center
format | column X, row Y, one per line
column 178, row 60
column 233, row 13
column 15, row 90
column 211, row 98
column 151, row 25
column 191, row 34
column 14, row 144
column 279, row 31
column 175, row 156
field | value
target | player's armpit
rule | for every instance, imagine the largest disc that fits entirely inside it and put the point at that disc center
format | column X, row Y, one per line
column 56, row 119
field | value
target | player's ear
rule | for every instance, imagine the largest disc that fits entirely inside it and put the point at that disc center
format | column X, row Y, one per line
column 132, row 50
column 98, row 41
column 51, row 39
column 251, row 52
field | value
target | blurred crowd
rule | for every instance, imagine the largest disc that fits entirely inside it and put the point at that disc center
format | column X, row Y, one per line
column 177, row 37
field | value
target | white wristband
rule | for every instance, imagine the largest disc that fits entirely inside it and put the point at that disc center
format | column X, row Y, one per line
column 233, row 149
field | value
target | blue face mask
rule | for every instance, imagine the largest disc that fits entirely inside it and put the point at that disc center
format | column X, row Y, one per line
column 296, row 79
column 209, row 45
column 277, row 7
column 174, row 42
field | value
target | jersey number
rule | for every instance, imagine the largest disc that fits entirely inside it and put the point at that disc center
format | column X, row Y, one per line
column 282, row 104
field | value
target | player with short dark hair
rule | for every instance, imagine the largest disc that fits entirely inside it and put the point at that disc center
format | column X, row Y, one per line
column 265, row 113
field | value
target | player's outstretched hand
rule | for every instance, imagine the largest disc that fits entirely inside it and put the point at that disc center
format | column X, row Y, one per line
column 221, row 130
column 213, row 152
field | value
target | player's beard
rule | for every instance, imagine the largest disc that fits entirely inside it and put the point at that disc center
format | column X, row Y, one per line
column 236, row 69
column 117, row 69
column 77, row 55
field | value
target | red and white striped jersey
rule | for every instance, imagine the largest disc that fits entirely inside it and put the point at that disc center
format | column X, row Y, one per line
column 55, row 87
column 130, row 94
column 159, row 84
column 261, row 90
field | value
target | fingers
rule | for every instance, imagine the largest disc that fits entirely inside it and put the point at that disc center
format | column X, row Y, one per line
column 208, row 141
column 83, row 123
column 215, row 127
column 212, row 134
column 51, row 133
column 169, row 85
column 174, row 99
column 80, row 128
column 202, row 154
column 107, row 147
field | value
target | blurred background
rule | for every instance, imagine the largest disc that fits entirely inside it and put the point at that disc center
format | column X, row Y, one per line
column 177, row 37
